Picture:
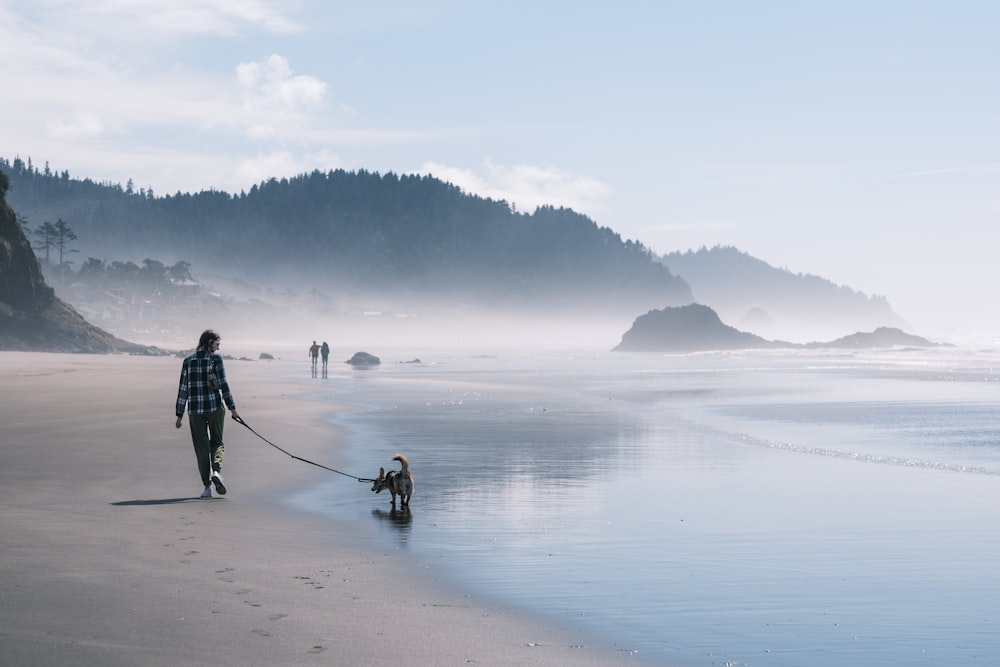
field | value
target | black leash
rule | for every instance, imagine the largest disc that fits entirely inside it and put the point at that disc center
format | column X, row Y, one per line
column 298, row 458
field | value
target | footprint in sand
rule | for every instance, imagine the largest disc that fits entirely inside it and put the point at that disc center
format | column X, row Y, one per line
column 316, row 650
column 309, row 580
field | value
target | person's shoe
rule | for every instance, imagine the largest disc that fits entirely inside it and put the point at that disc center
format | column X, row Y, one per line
column 217, row 480
column 207, row 493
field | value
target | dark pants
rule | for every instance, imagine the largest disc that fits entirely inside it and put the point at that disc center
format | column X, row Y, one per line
column 206, row 434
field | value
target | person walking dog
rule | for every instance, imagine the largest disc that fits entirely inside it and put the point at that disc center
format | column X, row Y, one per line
column 204, row 389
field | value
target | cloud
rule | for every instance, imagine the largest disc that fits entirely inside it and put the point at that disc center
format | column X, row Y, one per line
column 84, row 126
column 121, row 20
column 277, row 103
column 527, row 186
column 219, row 17
column 123, row 61
column 691, row 226
column 271, row 86
column 279, row 164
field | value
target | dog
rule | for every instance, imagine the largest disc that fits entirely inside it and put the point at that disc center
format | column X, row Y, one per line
column 398, row 482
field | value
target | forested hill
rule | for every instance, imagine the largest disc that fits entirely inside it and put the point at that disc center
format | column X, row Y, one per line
column 358, row 233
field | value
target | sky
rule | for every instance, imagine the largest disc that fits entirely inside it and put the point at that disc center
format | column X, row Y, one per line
column 854, row 140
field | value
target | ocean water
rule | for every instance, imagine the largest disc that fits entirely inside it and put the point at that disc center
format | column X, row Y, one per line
column 773, row 508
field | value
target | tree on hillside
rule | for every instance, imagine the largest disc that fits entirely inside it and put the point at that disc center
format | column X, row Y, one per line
column 63, row 236
column 153, row 274
column 92, row 271
column 46, row 235
column 56, row 236
column 180, row 273
column 124, row 270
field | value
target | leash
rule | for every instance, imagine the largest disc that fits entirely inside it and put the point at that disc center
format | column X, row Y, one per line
column 299, row 458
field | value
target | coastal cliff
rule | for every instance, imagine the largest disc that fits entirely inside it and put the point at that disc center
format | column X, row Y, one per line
column 32, row 317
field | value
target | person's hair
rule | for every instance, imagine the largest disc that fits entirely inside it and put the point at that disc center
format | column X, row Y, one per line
column 207, row 337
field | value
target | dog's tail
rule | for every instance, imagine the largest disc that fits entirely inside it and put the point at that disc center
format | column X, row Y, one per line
column 403, row 461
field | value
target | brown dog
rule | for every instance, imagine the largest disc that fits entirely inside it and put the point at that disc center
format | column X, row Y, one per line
column 399, row 482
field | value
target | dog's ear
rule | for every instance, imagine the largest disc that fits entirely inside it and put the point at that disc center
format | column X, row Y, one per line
column 381, row 473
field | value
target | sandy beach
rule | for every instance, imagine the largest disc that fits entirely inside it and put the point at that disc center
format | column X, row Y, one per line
column 110, row 558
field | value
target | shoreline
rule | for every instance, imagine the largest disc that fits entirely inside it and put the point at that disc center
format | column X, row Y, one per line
column 110, row 558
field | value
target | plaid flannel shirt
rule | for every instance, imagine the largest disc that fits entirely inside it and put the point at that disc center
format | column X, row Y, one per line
column 194, row 390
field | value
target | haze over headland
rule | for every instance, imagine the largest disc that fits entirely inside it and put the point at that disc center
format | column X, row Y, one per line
column 343, row 245
column 853, row 142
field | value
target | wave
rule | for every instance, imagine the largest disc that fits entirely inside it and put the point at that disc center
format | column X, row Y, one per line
column 861, row 457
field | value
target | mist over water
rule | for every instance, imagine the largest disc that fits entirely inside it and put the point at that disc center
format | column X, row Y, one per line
column 783, row 508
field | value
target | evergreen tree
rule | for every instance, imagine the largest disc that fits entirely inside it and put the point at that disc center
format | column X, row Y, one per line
column 46, row 235
column 62, row 238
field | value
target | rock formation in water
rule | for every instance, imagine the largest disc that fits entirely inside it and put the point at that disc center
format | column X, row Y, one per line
column 363, row 359
column 697, row 328
column 32, row 318
column 881, row 337
column 688, row 328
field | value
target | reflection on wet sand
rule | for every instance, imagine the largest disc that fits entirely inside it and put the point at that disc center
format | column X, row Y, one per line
column 399, row 518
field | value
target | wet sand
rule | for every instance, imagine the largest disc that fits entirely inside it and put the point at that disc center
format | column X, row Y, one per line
column 109, row 557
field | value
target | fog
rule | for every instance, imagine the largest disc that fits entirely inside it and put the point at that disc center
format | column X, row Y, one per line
column 286, row 329
column 284, row 323
column 283, row 308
